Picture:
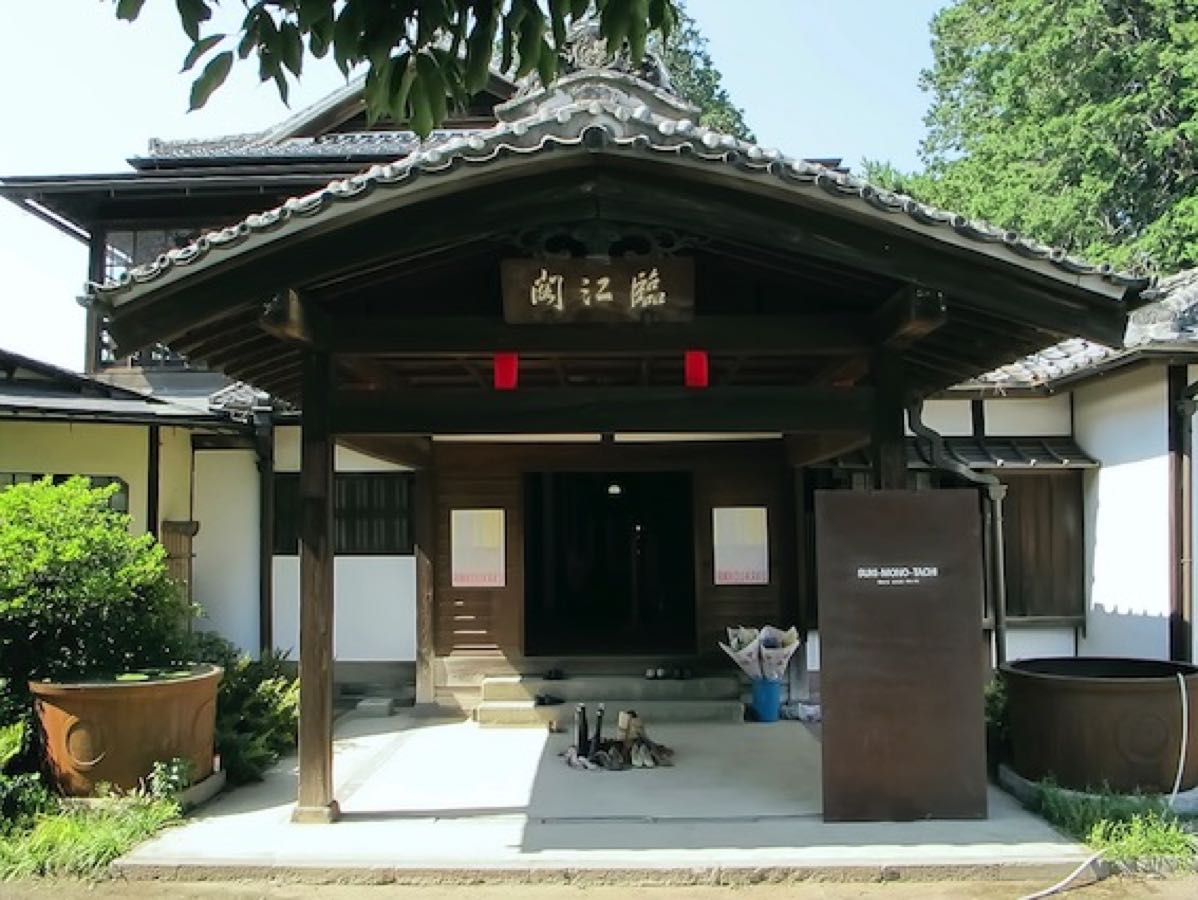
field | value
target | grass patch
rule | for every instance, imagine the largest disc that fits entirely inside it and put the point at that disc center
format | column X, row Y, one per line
column 1144, row 836
column 81, row 843
column 1126, row 828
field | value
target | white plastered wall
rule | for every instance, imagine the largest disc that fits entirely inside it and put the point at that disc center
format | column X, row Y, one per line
column 174, row 475
column 1029, row 416
column 1121, row 420
column 375, row 596
column 225, row 573
column 80, row 448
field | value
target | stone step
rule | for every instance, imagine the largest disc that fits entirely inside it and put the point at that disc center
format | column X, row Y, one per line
column 495, row 713
column 604, row 688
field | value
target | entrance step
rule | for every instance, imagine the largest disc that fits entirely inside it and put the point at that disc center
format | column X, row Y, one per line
column 526, row 713
column 606, row 688
column 510, row 699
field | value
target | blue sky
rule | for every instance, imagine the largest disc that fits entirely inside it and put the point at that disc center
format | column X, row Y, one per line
column 815, row 79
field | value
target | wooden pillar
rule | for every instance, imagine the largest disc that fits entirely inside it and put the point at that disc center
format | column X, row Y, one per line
column 316, row 803
column 888, row 439
column 424, row 514
column 264, row 447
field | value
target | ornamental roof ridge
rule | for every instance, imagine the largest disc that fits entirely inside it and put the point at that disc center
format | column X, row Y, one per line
column 588, row 70
column 574, row 112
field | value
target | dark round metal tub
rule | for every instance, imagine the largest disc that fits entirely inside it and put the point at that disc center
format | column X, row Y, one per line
column 1095, row 722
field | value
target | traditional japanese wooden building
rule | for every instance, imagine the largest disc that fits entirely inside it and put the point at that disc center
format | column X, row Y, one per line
column 613, row 345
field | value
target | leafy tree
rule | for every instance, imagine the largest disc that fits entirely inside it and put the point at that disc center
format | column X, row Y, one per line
column 695, row 77
column 80, row 596
column 422, row 56
column 1075, row 121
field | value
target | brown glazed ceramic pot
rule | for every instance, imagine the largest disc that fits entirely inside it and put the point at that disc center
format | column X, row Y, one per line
column 113, row 732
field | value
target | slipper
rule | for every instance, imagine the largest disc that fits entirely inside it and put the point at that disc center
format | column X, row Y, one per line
column 547, row 700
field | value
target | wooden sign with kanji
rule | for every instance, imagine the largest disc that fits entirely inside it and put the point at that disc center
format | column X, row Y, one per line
column 598, row 290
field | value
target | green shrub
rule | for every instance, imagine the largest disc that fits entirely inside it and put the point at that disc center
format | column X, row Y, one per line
column 80, row 596
column 13, row 708
column 1077, row 814
column 257, row 708
column 1126, row 827
column 1145, row 836
column 996, row 709
column 81, row 843
column 22, row 794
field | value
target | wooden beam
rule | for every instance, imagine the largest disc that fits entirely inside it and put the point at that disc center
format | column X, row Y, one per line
column 292, row 318
column 316, row 802
column 888, row 438
column 424, row 526
column 909, row 315
column 569, row 410
column 809, row 449
column 453, row 336
column 264, row 447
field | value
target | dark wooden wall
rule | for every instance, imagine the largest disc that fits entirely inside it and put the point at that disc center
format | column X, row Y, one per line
column 1045, row 547
column 490, row 621
column 479, row 620
column 721, row 606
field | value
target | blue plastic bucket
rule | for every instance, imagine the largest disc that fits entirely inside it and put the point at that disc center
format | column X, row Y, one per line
column 767, row 699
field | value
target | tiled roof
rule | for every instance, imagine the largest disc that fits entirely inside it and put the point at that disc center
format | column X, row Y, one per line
column 616, row 111
column 1170, row 321
column 336, row 145
column 31, row 388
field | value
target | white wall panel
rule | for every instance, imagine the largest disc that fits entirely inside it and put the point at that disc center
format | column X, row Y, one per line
column 1029, row 416
column 952, row 418
column 226, row 546
column 1029, row 643
column 1122, row 422
column 375, row 607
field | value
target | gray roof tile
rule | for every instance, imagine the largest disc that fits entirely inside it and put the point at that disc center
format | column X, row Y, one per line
column 601, row 108
column 1169, row 321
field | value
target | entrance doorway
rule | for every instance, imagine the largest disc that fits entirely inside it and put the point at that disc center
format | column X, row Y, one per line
column 610, row 563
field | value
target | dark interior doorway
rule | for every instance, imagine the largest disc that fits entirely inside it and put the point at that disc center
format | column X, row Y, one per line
column 610, row 563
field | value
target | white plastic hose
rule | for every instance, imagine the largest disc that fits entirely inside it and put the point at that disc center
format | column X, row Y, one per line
column 1067, row 880
column 1185, row 737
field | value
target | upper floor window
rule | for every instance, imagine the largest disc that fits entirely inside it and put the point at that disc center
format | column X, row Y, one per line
column 125, row 250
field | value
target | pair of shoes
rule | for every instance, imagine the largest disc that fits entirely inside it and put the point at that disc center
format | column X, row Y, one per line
column 547, row 700
column 555, row 675
column 656, row 674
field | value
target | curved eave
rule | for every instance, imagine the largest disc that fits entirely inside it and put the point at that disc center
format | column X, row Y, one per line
column 462, row 165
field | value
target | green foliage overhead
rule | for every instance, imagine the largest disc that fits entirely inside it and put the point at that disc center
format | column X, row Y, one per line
column 1073, row 121
column 80, row 596
column 422, row 56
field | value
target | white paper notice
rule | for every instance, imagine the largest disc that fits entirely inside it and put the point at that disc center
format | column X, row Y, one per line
column 741, row 538
column 477, row 548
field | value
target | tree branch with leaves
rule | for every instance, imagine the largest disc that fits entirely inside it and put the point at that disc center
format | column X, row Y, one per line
column 422, row 57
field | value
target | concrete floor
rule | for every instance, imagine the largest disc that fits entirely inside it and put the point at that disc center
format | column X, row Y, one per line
column 421, row 796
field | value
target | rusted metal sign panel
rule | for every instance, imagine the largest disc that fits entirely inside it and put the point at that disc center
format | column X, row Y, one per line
column 598, row 290
column 900, row 594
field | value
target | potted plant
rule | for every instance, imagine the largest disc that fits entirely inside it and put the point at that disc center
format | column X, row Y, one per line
column 93, row 626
